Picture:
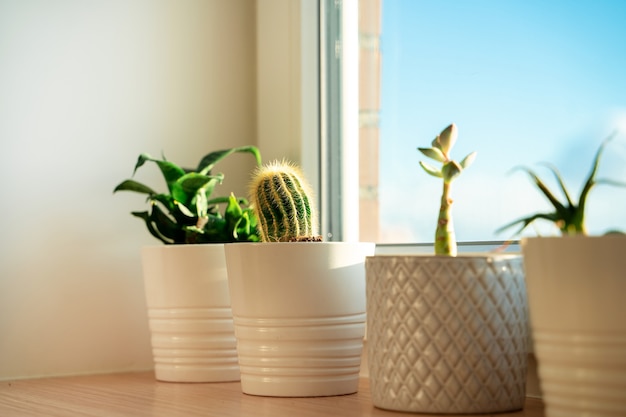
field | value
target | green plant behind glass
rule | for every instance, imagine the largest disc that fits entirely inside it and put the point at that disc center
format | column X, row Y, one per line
column 568, row 216
column 188, row 213
column 445, row 241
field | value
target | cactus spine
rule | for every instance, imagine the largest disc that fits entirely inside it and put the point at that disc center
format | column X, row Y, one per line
column 282, row 201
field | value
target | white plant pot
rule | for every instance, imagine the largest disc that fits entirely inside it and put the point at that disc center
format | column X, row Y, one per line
column 576, row 293
column 447, row 335
column 189, row 313
column 299, row 312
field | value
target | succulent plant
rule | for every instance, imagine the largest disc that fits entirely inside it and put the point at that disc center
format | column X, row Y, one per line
column 283, row 203
column 568, row 216
column 445, row 241
column 188, row 214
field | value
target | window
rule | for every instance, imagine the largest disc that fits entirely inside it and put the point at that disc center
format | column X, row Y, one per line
column 525, row 81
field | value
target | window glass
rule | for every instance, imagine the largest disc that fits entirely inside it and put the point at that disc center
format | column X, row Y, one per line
column 525, row 82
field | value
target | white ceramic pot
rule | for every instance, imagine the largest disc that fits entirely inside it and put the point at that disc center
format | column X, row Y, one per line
column 447, row 335
column 576, row 293
column 299, row 312
column 189, row 313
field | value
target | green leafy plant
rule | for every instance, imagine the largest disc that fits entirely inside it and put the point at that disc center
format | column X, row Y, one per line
column 187, row 213
column 568, row 216
column 281, row 198
column 445, row 240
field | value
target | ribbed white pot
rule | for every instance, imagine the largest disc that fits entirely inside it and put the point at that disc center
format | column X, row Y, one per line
column 299, row 312
column 577, row 298
column 189, row 313
column 447, row 335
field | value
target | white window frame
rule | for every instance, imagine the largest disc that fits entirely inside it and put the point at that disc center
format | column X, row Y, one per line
column 339, row 122
column 295, row 98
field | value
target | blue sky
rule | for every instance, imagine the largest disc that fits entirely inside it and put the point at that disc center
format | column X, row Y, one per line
column 526, row 82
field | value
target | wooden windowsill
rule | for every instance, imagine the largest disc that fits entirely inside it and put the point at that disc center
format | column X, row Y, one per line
column 139, row 394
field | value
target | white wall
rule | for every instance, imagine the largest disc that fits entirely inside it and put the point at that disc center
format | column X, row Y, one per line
column 85, row 86
column 288, row 80
column 288, row 84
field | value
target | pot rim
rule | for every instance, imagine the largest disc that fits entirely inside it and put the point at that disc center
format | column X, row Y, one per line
column 464, row 255
column 301, row 243
column 573, row 237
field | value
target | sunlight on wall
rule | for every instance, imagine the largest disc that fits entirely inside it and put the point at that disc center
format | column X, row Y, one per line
column 86, row 87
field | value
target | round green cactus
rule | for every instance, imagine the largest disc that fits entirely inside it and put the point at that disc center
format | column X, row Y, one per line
column 281, row 198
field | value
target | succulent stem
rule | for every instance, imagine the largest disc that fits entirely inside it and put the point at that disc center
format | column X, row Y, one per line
column 445, row 241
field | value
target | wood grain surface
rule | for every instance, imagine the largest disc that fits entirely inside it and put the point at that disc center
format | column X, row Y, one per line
column 139, row 394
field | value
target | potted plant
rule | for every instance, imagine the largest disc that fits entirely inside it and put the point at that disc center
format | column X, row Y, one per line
column 447, row 333
column 185, row 279
column 298, row 302
column 576, row 290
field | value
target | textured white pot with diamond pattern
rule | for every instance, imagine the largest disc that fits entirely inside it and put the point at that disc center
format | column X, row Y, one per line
column 447, row 334
column 191, row 322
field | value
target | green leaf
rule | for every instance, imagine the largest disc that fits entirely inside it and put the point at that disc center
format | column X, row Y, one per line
column 208, row 162
column 145, row 216
column 253, row 219
column 433, row 153
column 142, row 160
column 545, row 190
column 233, row 209
column 164, row 199
column 242, row 228
column 590, row 182
column 451, row 170
column 208, row 190
column 171, row 172
column 184, row 210
column 193, row 182
column 132, row 185
column 186, row 187
column 569, row 217
column 614, row 183
column 178, row 216
column 468, row 160
column 215, row 230
column 559, row 179
column 166, row 225
column 233, row 215
column 526, row 221
column 447, row 138
column 202, row 206
column 431, row 170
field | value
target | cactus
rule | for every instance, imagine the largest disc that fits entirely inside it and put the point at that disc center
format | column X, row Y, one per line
column 445, row 241
column 281, row 198
column 568, row 216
